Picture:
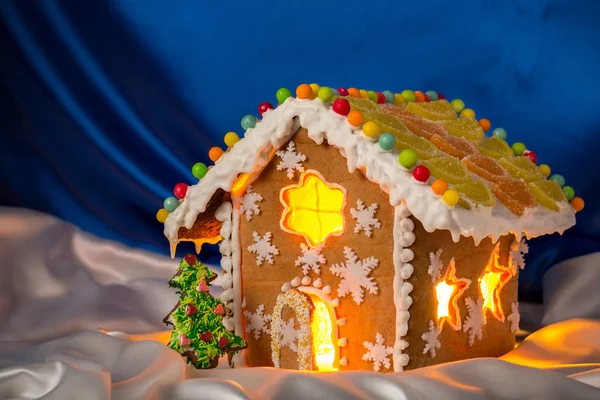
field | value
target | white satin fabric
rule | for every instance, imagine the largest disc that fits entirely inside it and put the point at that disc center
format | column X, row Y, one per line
column 66, row 298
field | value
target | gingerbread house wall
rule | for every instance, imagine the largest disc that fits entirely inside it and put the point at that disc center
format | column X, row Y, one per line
column 261, row 285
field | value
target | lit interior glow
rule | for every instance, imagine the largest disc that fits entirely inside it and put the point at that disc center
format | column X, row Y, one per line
column 239, row 186
column 321, row 328
column 447, row 293
column 313, row 208
column 492, row 281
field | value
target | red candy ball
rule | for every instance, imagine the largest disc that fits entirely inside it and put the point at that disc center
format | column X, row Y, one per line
column 421, row 173
column 343, row 92
column 264, row 107
column 531, row 155
column 180, row 190
column 341, row 106
column 381, row 98
column 426, row 97
column 441, row 96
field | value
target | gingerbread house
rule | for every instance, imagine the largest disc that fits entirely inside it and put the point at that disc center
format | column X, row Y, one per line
column 369, row 231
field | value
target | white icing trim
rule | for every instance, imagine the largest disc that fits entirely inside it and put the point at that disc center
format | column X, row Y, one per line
column 239, row 302
column 250, row 155
column 402, row 271
column 224, row 215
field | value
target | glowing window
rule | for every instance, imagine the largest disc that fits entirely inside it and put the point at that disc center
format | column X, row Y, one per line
column 447, row 292
column 491, row 283
column 322, row 332
column 313, row 208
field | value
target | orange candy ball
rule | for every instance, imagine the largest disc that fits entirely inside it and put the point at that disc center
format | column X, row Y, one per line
column 354, row 92
column 304, row 91
column 439, row 186
column 355, row 118
column 419, row 96
column 485, row 124
column 577, row 203
column 215, row 153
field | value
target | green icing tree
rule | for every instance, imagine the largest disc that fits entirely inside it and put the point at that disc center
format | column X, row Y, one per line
column 199, row 334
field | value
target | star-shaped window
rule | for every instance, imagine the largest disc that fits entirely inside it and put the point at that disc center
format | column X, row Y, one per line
column 447, row 292
column 491, row 283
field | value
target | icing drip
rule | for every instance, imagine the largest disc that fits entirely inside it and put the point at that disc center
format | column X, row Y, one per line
column 224, row 214
column 250, row 156
column 403, row 238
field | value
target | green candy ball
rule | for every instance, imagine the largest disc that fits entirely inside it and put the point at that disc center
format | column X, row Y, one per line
column 283, row 94
column 458, row 105
column 373, row 96
column 387, row 141
column 499, row 132
column 408, row 158
column 199, row 170
column 325, row 94
column 558, row 179
column 408, row 95
column 433, row 96
column 249, row 121
column 569, row 192
column 518, row 149
column 389, row 96
column 171, row 204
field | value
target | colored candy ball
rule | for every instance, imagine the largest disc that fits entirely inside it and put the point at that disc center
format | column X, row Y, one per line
column 371, row 129
column 399, row 99
column 433, row 96
column 439, row 187
column 421, row 173
column 355, row 118
column 325, row 94
column 531, row 155
column 558, row 179
column 569, row 192
column 315, row 90
column 387, row 141
column 335, row 92
column 408, row 95
column 199, row 170
column 231, row 138
column 518, row 148
column 408, row 158
column 364, row 94
column 215, row 153
column 458, row 105
column 485, row 124
column 354, row 92
column 577, row 203
column 282, row 94
column 249, row 121
column 343, row 92
column 341, row 106
column 304, row 91
column 441, row 96
column 381, row 99
column 500, row 133
column 373, row 96
column 170, row 204
column 467, row 112
column 162, row 215
column 450, row 197
column 389, row 96
column 180, row 190
column 264, row 107
column 545, row 170
column 419, row 96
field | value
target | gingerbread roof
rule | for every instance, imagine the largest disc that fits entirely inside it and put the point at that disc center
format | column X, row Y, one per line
column 429, row 153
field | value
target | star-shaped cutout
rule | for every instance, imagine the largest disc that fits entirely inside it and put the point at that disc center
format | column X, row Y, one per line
column 494, row 278
column 313, row 208
column 447, row 292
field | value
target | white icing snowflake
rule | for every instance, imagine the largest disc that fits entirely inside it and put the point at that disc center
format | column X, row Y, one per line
column 475, row 321
column 289, row 334
column 378, row 353
column 290, row 160
column 365, row 218
column 431, row 339
column 258, row 321
column 435, row 265
column 514, row 317
column 518, row 249
column 249, row 203
column 263, row 248
column 355, row 275
column 310, row 259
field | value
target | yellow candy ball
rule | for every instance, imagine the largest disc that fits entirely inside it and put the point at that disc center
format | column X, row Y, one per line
column 231, row 138
column 399, row 99
column 371, row 129
column 315, row 90
column 467, row 112
column 162, row 215
column 450, row 197
column 545, row 170
column 364, row 94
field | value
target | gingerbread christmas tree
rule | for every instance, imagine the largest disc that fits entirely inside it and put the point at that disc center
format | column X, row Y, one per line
column 199, row 334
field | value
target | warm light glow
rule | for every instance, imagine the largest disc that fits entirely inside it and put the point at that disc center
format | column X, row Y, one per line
column 239, row 186
column 321, row 328
column 492, row 281
column 313, row 208
column 447, row 292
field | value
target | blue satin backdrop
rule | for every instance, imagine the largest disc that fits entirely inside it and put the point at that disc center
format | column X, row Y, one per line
column 106, row 104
